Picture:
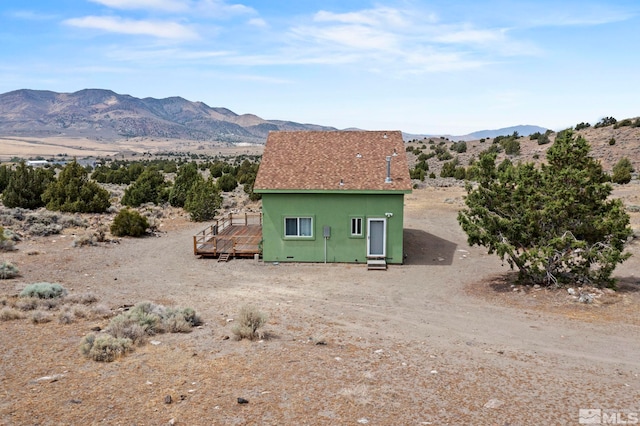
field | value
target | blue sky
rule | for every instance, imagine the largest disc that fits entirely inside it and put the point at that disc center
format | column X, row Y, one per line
column 439, row 67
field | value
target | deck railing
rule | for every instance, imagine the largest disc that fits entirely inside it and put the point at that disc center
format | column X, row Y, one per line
column 210, row 242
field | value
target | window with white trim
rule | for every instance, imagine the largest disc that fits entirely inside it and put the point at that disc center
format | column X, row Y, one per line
column 298, row 227
column 356, row 226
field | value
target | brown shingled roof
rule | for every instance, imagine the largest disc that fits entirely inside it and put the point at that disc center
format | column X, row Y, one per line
column 321, row 160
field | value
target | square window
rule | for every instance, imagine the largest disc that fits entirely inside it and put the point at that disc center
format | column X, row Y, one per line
column 298, row 227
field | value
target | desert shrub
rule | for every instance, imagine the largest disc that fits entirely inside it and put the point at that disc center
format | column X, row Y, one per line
column 42, row 230
column 612, row 141
column 6, row 243
column 180, row 320
column 582, row 125
column 459, row 147
column 84, row 240
column 82, row 298
column 27, row 303
column 8, row 270
column 9, row 314
column 249, row 323
column 101, row 311
column 606, row 121
column 43, row 291
column 40, row 317
column 129, row 223
column 623, row 123
column 105, row 348
column 622, row 171
column 66, row 317
column 147, row 319
column 49, row 303
column 126, row 327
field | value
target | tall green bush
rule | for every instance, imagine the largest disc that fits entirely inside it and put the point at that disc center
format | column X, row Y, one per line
column 149, row 187
column 26, row 187
column 129, row 223
column 622, row 171
column 187, row 176
column 203, row 201
column 74, row 192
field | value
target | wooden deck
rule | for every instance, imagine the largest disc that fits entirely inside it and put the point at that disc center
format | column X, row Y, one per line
column 236, row 235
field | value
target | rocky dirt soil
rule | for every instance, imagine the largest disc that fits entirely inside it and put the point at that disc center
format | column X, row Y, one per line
column 442, row 340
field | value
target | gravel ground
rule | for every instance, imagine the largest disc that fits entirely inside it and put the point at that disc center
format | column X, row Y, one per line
column 441, row 340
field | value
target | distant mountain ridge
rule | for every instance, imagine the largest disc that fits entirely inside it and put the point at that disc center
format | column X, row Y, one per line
column 523, row 130
column 104, row 114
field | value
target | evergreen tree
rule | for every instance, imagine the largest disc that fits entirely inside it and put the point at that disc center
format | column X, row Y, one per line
column 203, row 200
column 74, row 192
column 555, row 224
column 26, row 186
column 187, row 176
column 149, row 187
column 5, row 175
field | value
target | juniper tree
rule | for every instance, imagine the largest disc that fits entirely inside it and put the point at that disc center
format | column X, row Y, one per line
column 74, row 192
column 26, row 186
column 187, row 176
column 555, row 224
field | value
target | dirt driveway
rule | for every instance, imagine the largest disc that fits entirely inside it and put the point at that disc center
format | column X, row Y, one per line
column 442, row 340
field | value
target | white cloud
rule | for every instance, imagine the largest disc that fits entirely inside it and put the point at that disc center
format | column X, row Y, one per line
column 402, row 41
column 215, row 8
column 159, row 29
column 30, row 15
column 258, row 22
column 166, row 5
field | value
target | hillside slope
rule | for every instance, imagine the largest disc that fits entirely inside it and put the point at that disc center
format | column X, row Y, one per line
column 106, row 115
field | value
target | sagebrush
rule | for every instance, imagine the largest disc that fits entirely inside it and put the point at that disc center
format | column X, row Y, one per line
column 8, row 270
column 249, row 323
column 105, row 348
column 44, row 291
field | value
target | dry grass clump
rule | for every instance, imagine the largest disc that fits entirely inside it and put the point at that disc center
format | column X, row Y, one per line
column 101, row 311
column 8, row 270
column 27, row 303
column 82, row 298
column 8, row 314
column 105, row 348
column 43, row 291
column 84, row 240
column 73, row 312
column 40, row 317
column 66, row 317
column 249, row 323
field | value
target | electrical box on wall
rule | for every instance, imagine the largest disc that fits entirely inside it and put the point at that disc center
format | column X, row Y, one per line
column 326, row 231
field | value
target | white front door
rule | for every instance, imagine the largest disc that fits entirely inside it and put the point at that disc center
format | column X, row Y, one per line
column 377, row 237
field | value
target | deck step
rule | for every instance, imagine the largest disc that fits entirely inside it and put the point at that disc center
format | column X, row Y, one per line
column 376, row 264
column 224, row 257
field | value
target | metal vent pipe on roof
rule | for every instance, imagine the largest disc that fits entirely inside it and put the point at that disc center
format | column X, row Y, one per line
column 388, row 179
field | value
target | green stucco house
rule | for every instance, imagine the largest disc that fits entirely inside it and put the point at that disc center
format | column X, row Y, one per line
column 333, row 196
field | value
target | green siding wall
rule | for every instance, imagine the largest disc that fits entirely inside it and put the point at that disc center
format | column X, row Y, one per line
column 336, row 211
